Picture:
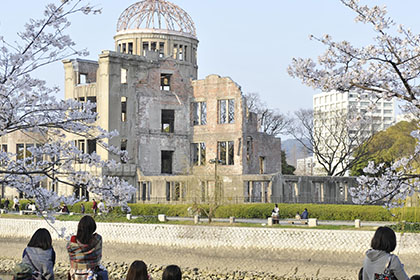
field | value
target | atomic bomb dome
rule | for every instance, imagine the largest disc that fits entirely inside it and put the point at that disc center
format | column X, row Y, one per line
column 158, row 28
column 156, row 14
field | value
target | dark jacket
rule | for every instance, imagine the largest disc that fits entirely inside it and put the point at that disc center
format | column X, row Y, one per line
column 376, row 262
column 305, row 214
column 40, row 260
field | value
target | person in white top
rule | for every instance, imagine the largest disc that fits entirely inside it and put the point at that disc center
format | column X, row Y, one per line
column 16, row 203
column 101, row 206
column 275, row 214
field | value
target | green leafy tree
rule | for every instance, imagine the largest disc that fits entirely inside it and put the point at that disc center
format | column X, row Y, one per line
column 286, row 169
column 387, row 146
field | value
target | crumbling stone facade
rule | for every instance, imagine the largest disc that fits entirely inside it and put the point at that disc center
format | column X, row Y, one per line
column 174, row 127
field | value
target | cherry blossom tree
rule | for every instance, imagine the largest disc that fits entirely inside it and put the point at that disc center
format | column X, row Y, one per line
column 386, row 68
column 27, row 105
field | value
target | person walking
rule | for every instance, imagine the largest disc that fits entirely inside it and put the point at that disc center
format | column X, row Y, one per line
column 6, row 204
column 16, row 203
column 379, row 260
column 101, row 206
column 40, row 255
column 82, row 208
column 94, row 206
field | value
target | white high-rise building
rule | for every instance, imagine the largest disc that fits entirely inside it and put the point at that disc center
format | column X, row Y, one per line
column 335, row 113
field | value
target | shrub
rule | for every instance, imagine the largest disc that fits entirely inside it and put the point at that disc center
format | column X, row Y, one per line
column 263, row 210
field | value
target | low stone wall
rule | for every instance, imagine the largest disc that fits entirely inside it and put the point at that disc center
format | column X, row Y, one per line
column 209, row 236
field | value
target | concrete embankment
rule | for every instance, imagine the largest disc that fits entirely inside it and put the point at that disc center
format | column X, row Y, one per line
column 224, row 252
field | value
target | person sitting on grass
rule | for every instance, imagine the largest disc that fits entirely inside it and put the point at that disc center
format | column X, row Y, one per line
column 172, row 272
column 137, row 271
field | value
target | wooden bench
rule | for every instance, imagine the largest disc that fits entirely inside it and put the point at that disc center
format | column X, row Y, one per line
column 298, row 221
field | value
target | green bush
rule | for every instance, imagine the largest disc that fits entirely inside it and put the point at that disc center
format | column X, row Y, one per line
column 406, row 227
column 263, row 210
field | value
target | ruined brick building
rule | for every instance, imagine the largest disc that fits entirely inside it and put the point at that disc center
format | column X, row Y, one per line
column 182, row 134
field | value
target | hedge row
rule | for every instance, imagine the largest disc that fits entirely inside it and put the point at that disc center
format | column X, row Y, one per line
column 263, row 210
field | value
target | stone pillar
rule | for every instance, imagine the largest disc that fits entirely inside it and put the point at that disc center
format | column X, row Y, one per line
column 357, row 223
column 312, row 222
column 231, row 220
column 263, row 188
column 270, row 221
column 269, row 191
column 251, row 190
column 128, row 216
column 162, row 218
column 196, row 219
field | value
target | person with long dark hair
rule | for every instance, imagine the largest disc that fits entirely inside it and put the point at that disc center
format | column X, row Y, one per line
column 379, row 259
column 172, row 272
column 85, row 249
column 137, row 271
column 40, row 255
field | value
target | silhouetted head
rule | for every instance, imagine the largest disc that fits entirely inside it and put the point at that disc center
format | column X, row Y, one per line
column 276, row 205
column 415, row 277
column 384, row 240
column 137, row 271
column 41, row 239
column 85, row 229
column 172, row 272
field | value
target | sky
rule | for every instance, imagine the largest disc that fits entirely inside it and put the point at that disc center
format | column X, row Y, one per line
column 253, row 42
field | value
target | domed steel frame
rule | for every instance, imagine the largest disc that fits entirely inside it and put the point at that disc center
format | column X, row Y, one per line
column 156, row 14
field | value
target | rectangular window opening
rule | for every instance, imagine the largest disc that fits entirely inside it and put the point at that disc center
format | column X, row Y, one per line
column 166, row 162
column 165, row 82
column 91, row 146
column 123, row 109
column 124, row 47
column 199, row 113
column 198, row 153
column 161, row 49
column 124, row 72
column 262, row 165
column 168, row 121
column 225, row 152
column 83, row 78
column 123, row 147
column 181, row 52
column 226, row 111
column 153, row 46
column 92, row 99
column 175, row 51
column 130, row 48
column 145, row 48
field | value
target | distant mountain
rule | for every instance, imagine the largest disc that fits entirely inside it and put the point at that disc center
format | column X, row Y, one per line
column 294, row 150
